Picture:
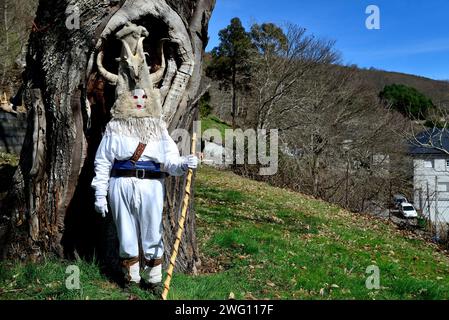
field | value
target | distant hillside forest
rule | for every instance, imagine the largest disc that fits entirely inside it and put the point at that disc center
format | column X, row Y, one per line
column 374, row 79
column 15, row 26
column 438, row 91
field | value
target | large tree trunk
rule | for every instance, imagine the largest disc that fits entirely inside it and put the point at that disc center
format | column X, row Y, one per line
column 51, row 200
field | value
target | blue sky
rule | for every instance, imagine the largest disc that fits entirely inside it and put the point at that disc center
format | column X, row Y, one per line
column 414, row 34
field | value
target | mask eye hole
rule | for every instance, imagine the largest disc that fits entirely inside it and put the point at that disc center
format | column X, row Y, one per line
column 145, row 96
column 136, row 97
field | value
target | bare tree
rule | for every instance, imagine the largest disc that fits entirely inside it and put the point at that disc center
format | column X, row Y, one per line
column 333, row 128
column 280, row 68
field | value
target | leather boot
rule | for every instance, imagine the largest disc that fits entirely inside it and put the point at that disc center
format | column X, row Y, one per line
column 152, row 276
column 131, row 271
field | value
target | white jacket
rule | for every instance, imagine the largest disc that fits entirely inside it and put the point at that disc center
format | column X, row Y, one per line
column 119, row 147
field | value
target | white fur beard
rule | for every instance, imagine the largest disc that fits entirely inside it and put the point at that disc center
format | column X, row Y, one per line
column 147, row 130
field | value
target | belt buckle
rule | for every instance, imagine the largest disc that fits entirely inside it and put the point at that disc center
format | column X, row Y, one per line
column 140, row 173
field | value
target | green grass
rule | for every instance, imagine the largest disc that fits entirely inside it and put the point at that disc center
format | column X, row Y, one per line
column 212, row 122
column 47, row 281
column 268, row 243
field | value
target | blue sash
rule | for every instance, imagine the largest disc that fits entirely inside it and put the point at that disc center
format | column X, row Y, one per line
column 150, row 166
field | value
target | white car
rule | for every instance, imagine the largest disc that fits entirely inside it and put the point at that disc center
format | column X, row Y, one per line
column 408, row 210
column 398, row 199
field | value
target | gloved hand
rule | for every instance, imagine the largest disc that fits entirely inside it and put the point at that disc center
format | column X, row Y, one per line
column 101, row 206
column 190, row 162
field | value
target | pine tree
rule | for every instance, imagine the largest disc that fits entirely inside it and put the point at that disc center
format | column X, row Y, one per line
column 231, row 62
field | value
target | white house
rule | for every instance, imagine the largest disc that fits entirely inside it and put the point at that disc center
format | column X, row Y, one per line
column 431, row 175
column 215, row 155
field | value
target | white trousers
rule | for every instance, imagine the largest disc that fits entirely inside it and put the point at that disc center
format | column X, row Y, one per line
column 137, row 207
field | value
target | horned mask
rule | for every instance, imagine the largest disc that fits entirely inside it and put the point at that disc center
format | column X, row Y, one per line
column 134, row 79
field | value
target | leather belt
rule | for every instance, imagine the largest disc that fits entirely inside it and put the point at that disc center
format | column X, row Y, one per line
column 139, row 174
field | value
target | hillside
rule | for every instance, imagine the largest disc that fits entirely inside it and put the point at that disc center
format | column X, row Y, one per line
column 438, row 91
column 375, row 79
column 262, row 242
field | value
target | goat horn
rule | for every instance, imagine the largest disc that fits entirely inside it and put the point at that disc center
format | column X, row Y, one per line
column 128, row 49
column 140, row 48
column 112, row 78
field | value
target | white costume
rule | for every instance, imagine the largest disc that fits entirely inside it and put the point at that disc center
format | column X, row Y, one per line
column 137, row 202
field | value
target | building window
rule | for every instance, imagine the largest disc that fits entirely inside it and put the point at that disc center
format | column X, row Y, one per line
column 428, row 164
column 447, row 163
column 443, row 187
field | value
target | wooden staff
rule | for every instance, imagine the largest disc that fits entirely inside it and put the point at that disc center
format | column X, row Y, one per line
column 182, row 220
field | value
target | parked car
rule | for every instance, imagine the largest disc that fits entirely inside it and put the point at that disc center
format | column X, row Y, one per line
column 408, row 210
column 398, row 199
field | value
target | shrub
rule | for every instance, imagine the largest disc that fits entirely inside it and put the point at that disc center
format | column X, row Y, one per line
column 407, row 100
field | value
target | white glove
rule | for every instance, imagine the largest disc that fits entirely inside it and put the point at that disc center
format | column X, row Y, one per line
column 190, row 162
column 101, row 206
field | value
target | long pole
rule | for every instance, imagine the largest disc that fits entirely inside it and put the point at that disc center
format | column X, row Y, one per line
column 182, row 221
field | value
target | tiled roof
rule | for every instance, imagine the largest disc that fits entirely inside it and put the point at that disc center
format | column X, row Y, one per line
column 436, row 137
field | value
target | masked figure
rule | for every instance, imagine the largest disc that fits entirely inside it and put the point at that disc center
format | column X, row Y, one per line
column 134, row 157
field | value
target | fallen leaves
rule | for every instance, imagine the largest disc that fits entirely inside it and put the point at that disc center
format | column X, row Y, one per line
column 249, row 296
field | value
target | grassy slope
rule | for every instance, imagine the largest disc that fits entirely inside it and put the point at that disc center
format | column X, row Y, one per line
column 267, row 242
column 212, row 122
